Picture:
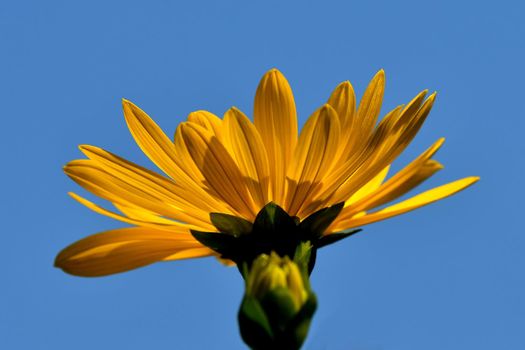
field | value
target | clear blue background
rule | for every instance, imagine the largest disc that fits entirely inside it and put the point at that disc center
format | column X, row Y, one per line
column 448, row 276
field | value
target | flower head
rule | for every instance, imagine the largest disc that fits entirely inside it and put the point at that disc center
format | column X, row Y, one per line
column 235, row 167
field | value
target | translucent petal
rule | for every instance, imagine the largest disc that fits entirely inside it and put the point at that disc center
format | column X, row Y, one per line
column 121, row 250
column 275, row 118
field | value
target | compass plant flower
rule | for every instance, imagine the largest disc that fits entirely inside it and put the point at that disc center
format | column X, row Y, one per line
column 235, row 189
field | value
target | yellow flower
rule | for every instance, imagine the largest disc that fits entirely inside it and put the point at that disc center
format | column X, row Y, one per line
column 234, row 166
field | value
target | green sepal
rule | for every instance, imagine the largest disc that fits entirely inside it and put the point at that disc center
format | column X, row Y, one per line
column 317, row 223
column 243, row 269
column 305, row 256
column 223, row 244
column 254, row 325
column 272, row 219
column 273, row 230
column 334, row 237
column 229, row 224
column 302, row 253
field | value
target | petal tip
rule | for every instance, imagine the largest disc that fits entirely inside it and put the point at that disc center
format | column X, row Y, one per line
column 273, row 73
column 86, row 147
column 474, row 179
column 344, row 86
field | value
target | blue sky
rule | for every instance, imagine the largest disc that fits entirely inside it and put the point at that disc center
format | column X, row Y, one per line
column 448, row 276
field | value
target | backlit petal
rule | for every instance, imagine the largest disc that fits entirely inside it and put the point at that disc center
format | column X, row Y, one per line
column 405, row 206
column 409, row 177
column 207, row 120
column 115, row 189
column 314, row 157
column 369, row 187
column 218, row 168
column 152, row 182
column 244, row 143
column 152, row 221
column 343, row 101
column 370, row 104
column 275, row 118
column 159, row 148
column 121, row 250
column 390, row 138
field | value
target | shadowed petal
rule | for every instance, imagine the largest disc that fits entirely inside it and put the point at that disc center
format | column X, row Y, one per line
column 244, row 143
column 122, row 250
column 218, row 168
column 314, row 157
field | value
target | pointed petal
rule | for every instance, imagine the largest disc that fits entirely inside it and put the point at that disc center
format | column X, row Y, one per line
column 150, row 138
column 275, row 118
column 121, row 250
column 115, row 189
column 313, row 158
column 370, row 104
column 153, row 221
column 218, row 169
column 344, row 173
column 152, row 182
column 409, row 177
column 405, row 206
column 342, row 100
column 391, row 138
column 159, row 148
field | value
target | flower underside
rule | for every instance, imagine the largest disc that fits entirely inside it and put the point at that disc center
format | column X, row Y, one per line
column 237, row 168
column 273, row 231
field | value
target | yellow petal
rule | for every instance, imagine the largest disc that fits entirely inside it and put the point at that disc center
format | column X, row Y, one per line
column 342, row 100
column 141, row 214
column 121, row 250
column 151, row 182
column 218, row 168
column 114, row 189
column 369, row 187
column 159, row 148
column 345, row 172
column 370, row 104
column 275, row 118
column 314, row 157
column 150, row 138
column 247, row 149
column 410, row 204
column 207, row 120
column 409, row 177
column 153, row 221
column 191, row 253
column 389, row 140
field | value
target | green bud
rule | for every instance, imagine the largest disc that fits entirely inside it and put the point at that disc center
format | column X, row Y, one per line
column 271, row 272
column 278, row 304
